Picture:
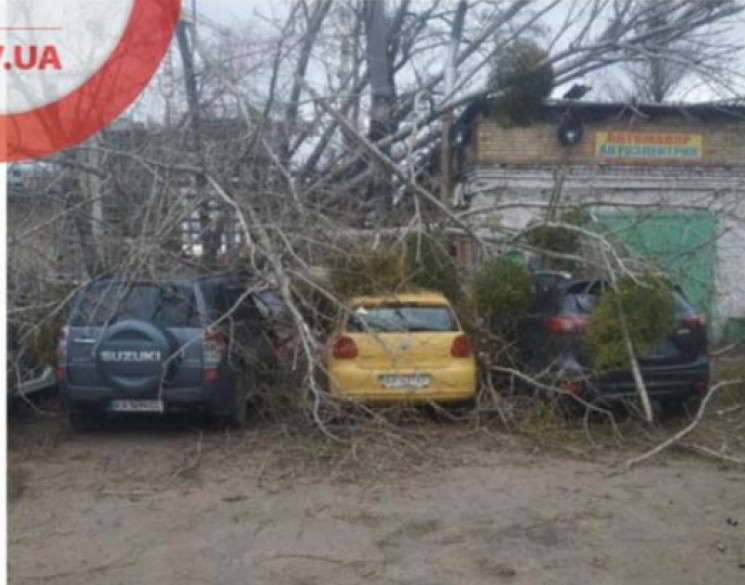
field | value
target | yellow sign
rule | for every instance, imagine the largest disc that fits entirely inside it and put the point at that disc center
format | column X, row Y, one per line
column 648, row 146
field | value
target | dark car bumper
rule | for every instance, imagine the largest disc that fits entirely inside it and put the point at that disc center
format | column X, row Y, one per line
column 676, row 382
column 210, row 396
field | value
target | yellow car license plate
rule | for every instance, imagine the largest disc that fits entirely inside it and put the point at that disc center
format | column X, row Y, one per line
column 405, row 381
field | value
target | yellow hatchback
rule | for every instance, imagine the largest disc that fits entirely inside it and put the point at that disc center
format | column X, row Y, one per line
column 406, row 347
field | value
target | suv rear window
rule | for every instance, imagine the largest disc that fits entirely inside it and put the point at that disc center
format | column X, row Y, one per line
column 167, row 305
column 582, row 303
column 401, row 318
column 582, row 298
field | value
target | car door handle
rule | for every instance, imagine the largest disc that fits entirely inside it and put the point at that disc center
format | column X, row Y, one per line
column 86, row 340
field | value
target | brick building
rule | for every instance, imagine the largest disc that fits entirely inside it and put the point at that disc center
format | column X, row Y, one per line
column 666, row 180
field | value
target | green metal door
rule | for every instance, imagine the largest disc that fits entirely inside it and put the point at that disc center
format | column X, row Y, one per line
column 682, row 244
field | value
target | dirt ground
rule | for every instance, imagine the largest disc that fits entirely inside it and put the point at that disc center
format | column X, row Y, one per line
column 143, row 503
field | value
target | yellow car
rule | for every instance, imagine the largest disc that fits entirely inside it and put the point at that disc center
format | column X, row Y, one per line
column 406, row 347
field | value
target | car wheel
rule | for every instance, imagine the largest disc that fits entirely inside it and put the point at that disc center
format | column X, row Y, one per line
column 451, row 411
column 693, row 404
column 85, row 420
column 237, row 416
column 673, row 407
column 462, row 407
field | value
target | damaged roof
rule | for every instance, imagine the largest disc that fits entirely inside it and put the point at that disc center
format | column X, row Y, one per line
column 733, row 109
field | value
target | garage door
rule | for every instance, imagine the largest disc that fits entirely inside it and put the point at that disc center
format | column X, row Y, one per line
column 682, row 244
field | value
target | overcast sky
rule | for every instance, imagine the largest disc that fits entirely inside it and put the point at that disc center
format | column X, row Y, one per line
column 607, row 84
column 227, row 11
column 242, row 13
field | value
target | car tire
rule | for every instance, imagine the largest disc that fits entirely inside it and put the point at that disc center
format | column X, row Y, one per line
column 693, row 405
column 451, row 411
column 462, row 407
column 673, row 407
column 235, row 420
column 237, row 416
column 85, row 420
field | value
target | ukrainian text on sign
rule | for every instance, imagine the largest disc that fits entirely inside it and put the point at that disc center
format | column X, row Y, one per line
column 648, row 146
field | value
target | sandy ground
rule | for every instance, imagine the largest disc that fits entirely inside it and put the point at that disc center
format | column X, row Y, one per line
column 142, row 504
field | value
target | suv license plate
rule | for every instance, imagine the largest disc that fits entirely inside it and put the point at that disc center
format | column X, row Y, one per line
column 414, row 382
column 136, row 406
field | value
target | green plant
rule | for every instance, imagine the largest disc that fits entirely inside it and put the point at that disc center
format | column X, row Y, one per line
column 554, row 239
column 430, row 265
column 366, row 272
column 501, row 290
column 42, row 343
column 560, row 239
column 424, row 262
column 40, row 328
column 648, row 308
column 524, row 78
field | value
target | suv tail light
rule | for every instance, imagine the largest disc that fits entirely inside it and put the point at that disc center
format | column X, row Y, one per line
column 60, row 371
column 695, row 321
column 215, row 348
column 461, row 347
column 345, row 348
column 567, row 324
column 574, row 387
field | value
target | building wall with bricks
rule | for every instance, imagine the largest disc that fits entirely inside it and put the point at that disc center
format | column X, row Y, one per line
column 723, row 141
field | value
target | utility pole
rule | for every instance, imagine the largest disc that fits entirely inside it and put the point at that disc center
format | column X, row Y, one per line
column 451, row 74
column 382, row 95
column 91, row 191
column 190, row 82
column 209, row 236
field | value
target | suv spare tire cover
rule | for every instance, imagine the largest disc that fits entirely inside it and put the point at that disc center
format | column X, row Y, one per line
column 132, row 355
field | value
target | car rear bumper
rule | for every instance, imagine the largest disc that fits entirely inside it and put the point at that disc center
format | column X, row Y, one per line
column 677, row 382
column 454, row 383
column 210, row 396
column 407, row 396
